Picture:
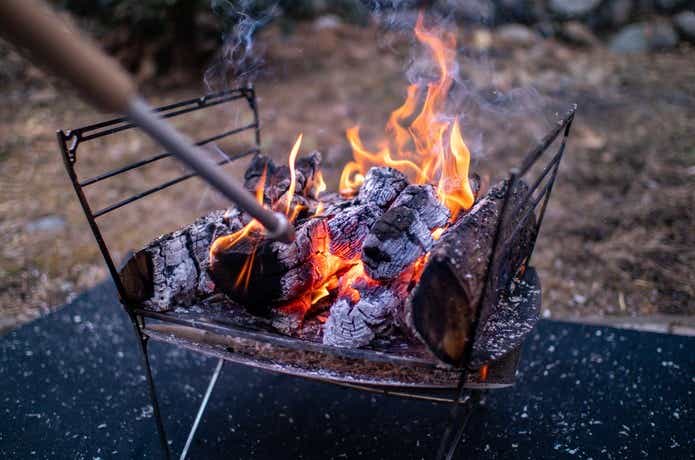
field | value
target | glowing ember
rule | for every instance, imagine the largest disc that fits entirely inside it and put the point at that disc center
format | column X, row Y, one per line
column 483, row 373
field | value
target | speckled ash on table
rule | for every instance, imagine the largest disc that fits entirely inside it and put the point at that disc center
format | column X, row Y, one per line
column 71, row 386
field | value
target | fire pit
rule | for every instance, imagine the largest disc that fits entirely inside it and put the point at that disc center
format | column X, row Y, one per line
column 413, row 280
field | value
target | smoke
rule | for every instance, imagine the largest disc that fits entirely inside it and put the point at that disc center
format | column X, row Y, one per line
column 240, row 58
column 484, row 108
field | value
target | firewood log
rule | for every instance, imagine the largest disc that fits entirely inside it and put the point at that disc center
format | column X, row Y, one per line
column 171, row 270
column 442, row 306
column 381, row 186
column 356, row 324
column 278, row 272
column 404, row 233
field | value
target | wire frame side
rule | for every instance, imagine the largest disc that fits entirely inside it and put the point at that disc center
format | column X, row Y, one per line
column 70, row 141
column 514, row 217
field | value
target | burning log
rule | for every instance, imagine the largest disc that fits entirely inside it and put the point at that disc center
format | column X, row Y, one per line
column 404, row 232
column 260, row 273
column 442, row 306
column 276, row 273
column 355, row 322
column 171, row 271
column 381, row 186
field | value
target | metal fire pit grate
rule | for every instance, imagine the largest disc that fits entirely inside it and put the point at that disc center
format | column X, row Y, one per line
column 394, row 367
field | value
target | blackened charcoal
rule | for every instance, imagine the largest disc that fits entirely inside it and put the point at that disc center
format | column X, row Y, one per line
column 381, row 186
column 404, row 232
column 423, row 200
column 349, row 228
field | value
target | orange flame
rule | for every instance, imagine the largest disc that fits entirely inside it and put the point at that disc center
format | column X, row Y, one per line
column 417, row 148
column 454, row 189
column 483, row 372
column 420, row 141
column 226, row 242
column 319, row 185
column 289, row 194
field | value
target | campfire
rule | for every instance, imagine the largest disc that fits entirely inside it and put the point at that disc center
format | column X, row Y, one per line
column 413, row 278
column 404, row 247
column 359, row 253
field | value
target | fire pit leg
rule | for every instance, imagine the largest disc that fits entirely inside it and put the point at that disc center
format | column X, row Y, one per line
column 142, row 341
column 459, row 416
column 201, row 409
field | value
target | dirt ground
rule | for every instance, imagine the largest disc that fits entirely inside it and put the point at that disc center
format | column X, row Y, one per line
column 618, row 236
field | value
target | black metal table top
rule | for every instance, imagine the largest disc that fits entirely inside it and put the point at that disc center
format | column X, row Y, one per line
column 72, row 387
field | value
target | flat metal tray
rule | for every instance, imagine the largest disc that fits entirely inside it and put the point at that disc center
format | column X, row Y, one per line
column 224, row 330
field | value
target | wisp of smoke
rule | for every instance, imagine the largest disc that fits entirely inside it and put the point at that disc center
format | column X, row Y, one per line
column 239, row 60
column 478, row 107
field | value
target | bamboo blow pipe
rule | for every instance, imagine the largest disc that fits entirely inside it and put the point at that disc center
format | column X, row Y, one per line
column 34, row 28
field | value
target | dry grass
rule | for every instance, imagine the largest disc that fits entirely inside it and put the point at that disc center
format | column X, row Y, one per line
column 618, row 237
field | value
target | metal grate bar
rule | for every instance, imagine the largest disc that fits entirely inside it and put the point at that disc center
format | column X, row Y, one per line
column 168, row 184
column 547, row 140
column 197, row 103
column 146, row 161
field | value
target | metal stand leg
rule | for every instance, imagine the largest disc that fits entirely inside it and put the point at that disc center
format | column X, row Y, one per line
column 460, row 414
column 142, row 340
column 201, row 409
column 466, row 408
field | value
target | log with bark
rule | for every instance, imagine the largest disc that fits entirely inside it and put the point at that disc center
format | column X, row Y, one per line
column 442, row 307
column 172, row 270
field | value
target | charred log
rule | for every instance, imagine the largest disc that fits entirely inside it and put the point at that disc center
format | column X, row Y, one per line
column 381, row 186
column 171, row 270
column 258, row 273
column 443, row 305
column 404, row 233
column 348, row 229
column 353, row 325
column 277, row 178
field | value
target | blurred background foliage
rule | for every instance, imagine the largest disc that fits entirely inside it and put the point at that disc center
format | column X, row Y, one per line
column 168, row 38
